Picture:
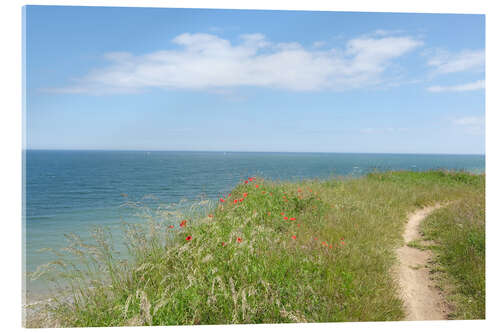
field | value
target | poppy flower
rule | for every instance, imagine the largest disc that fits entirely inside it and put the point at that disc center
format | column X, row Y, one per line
column 285, row 218
column 284, row 197
column 342, row 238
column 235, row 201
column 183, row 223
column 315, row 238
column 294, row 237
column 245, row 194
column 210, row 215
column 246, row 181
column 188, row 238
column 299, row 190
column 257, row 186
column 223, row 244
column 229, row 195
column 250, row 179
column 241, row 200
column 298, row 225
column 171, row 226
column 323, row 243
column 282, row 213
column 292, row 219
column 330, row 246
column 221, row 200
column 342, row 243
column 238, row 240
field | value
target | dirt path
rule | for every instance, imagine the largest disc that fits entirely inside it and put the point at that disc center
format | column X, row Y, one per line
column 422, row 299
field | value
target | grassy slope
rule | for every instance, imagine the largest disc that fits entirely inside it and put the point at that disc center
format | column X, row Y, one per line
column 458, row 232
column 336, row 268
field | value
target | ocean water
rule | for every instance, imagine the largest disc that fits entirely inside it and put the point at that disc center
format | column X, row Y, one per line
column 71, row 191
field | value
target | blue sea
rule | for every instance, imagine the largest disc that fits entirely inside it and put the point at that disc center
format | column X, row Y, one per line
column 71, row 191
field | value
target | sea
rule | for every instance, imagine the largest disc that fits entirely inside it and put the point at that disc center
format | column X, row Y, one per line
column 73, row 191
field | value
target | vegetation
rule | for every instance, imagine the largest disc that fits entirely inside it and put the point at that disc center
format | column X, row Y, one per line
column 458, row 234
column 311, row 251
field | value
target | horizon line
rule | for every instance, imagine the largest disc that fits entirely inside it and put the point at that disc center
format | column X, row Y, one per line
column 239, row 151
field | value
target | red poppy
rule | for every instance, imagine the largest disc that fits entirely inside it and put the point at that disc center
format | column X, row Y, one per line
column 223, row 244
column 221, row 200
column 238, row 240
column 342, row 238
column 245, row 194
column 323, row 243
column 292, row 218
column 235, row 201
column 315, row 238
column 285, row 218
column 282, row 213
column 250, row 179
column 256, row 186
column 171, row 226
column 294, row 237
column 188, row 238
column 246, row 181
column 299, row 190
column 229, row 195
column 330, row 246
column 210, row 215
column 298, row 225
column 183, row 223
column 342, row 243
column 284, row 197
column 241, row 200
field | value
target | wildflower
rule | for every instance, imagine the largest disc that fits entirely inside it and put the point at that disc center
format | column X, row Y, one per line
column 235, row 201
column 250, row 179
column 342, row 243
column 294, row 237
column 342, row 238
column 183, row 223
column 210, row 215
column 256, row 186
column 330, row 246
column 268, row 213
column 298, row 225
column 229, row 195
column 241, row 200
column 245, row 194
column 292, row 218
column 238, row 240
column 171, row 226
column 315, row 238
column 323, row 243
column 299, row 190
column 221, row 200
column 246, row 181
column 188, row 238
column 284, row 197
column 282, row 213
column 285, row 218
column 223, row 244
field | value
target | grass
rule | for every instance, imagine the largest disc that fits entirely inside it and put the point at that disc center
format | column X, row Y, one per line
column 458, row 232
column 330, row 260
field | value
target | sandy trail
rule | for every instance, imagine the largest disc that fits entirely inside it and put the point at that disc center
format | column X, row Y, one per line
column 422, row 299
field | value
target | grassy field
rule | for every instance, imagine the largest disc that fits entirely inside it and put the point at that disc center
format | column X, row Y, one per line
column 310, row 251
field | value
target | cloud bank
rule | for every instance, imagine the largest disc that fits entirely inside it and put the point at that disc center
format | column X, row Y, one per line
column 206, row 61
column 478, row 85
column 445, row 62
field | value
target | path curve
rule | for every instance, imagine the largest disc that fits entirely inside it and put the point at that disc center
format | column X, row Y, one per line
column 422, row 299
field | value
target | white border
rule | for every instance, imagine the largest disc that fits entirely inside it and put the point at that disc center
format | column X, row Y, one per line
column 11, row 125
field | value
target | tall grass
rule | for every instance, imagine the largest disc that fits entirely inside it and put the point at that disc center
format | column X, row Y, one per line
column 329, row 260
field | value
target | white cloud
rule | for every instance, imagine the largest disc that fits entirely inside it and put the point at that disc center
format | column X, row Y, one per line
column 470, row 125
column 461, row 87
column 445, row 62
column 206, row 61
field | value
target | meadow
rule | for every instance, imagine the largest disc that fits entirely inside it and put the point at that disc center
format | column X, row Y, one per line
column 277, row 252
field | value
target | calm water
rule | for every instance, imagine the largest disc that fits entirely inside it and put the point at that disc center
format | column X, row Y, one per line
column 70, row 191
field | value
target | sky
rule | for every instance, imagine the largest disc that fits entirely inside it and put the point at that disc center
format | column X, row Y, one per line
column 246, row 80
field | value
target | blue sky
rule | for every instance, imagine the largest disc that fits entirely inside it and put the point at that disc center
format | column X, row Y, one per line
column 185, row 79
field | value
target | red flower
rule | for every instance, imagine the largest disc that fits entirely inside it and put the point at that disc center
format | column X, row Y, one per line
column 221, row 200
column 342, row 243
column 268, row 213
column 235, row 201
column 183, row 223
column 245, row 194
column 250, row 179
column 342, row 238
column 171, row 226
column 246, row 181
column 241, row 200
column 238, row 240
column 299, row 190
column 323, row 243
column 285, row 218
column 282, row 213
column 315, row 238
column 229, row 195
column 294, row 237
column 256, row 186
column 330, row 246
column 292, row 219
column 188, row 238
column 284, row 197
column 298, row 225
column 223, row 244
column 210, row 215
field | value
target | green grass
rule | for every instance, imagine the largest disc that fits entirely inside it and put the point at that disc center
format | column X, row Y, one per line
column 458, row 232
column 333, row 263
